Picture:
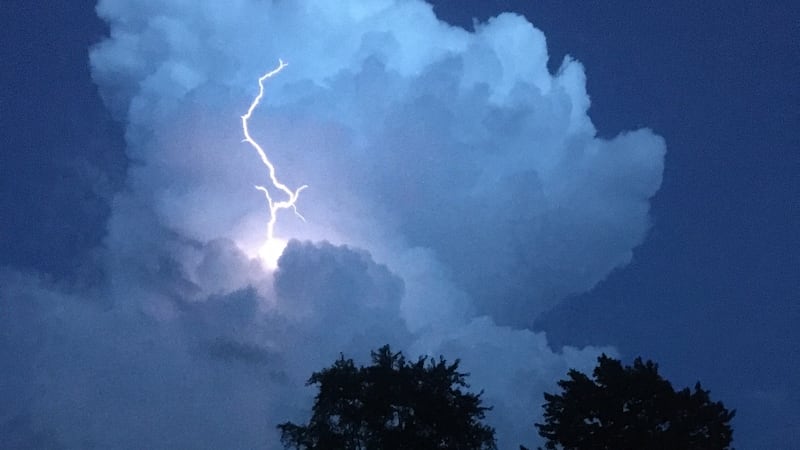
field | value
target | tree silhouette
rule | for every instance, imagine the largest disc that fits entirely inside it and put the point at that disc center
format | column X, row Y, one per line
column 392, row 404
column 632, row 407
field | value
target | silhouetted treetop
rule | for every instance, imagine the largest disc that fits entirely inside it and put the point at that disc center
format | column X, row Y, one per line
column 390, row 405
column 632, row 408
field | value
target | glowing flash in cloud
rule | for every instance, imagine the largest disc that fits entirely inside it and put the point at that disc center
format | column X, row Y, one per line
column 274, row 206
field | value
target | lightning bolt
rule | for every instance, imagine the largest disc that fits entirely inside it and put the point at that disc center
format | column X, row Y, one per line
column 274, row 206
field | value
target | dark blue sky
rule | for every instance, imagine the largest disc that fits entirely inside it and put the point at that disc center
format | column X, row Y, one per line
column 713, row 293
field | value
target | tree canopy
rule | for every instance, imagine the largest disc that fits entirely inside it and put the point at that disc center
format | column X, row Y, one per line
column 632, row 407
column 390, row 405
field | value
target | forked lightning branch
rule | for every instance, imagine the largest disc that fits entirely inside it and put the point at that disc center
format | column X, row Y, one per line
column 274, row 205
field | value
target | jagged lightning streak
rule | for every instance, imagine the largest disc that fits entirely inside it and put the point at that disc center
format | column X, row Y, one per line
column 274, row 206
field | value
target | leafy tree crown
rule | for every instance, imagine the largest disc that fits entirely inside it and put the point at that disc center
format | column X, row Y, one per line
column 632, row 407
column 392, row 404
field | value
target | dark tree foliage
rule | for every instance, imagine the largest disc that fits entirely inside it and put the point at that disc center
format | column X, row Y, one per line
column 392, row 404
column 627, row 408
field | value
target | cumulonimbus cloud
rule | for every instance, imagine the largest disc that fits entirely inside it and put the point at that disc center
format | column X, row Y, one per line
column 471, row 177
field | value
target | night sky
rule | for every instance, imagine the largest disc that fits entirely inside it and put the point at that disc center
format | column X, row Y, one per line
column 126, row 231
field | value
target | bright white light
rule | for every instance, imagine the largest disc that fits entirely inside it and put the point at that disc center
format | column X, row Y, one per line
column 273, row 247
column 271, row 251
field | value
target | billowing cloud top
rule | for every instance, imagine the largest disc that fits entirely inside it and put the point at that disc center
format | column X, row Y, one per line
column 472, row 176
column 405, row 128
